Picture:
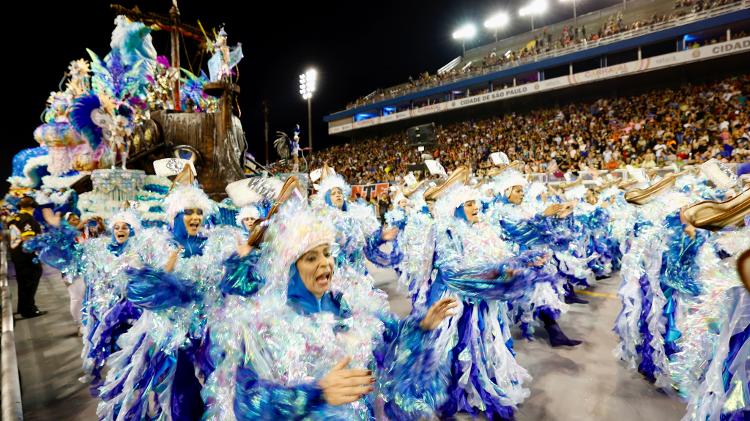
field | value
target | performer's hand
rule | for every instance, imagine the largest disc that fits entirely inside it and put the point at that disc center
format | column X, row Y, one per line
column 344, row 385
column 437, row 312
column 552, row 209
column 540, row 261
column 389, row 234
column 172, row 260
column 52, row 218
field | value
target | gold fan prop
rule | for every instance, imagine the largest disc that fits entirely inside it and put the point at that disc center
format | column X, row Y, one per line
column 714, row 216
column 259, row 228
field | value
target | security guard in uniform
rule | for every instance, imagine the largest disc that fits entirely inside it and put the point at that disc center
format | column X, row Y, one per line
column 23, row 226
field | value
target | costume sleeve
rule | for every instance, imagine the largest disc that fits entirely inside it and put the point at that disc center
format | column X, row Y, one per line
column 260, row 399
column 537, row 231
column 155, row 289
column 378, row 256
column 498, row 280
column 241, row 276
column 55, row 247
column 407, row 353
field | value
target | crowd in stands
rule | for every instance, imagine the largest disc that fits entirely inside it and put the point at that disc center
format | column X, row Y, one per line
column 544, row 42
column 700, row 5
column 692, row 123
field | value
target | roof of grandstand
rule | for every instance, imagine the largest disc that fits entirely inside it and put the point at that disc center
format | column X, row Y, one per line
column 646, row 28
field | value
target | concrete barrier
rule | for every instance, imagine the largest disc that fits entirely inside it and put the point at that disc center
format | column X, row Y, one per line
column 11, row 385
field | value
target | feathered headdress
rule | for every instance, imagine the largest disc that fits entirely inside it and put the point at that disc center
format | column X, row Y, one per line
column 187, row 197
column 250, row 211
column 507, row 179
column 127, row 216
column 294, row 230
column 452, row 198
column 328, row 179
column 334, row 181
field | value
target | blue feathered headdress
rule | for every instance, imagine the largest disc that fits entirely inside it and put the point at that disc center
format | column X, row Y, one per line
column 80, row 118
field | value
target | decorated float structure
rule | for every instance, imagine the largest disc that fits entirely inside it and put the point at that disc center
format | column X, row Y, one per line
column 117, row 114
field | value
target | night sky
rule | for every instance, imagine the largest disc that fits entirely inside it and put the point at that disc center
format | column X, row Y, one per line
column 356, row 47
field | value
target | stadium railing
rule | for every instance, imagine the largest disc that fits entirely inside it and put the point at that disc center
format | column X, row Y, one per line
column 11, row 385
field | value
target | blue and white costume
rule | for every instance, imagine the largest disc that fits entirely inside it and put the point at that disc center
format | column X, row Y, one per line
column 153, row 376
column 271, row 351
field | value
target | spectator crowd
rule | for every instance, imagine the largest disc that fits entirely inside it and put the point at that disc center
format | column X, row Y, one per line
column 692, row 123
column 543, row 42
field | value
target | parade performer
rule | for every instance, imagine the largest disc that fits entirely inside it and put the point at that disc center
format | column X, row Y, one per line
column 309, row 348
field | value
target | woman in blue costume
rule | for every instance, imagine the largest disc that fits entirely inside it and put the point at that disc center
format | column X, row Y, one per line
column 658, row 274
column 308, row 348
column 475, row 266
column 101, row 263
column 530, row 222
column 711, row 368
column 247, row 217
column 357, row 228
column 601, row 250
column 156, row 374
column 621, row 220
column 577, row 260
column 107, row 314
column 359, row 235
column 416, row 238
column 255, row 199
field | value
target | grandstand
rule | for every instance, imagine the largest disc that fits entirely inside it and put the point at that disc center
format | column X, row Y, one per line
column 651, row 41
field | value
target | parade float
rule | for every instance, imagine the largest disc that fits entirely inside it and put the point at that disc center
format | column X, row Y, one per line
column 114, row 115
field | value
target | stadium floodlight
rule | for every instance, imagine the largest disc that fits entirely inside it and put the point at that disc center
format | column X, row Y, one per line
column 497, row 21
column 464, row 33
column 575, row 14
column 535, row 8
column 308, row 84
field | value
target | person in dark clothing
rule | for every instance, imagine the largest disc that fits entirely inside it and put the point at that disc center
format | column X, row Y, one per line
column 23, row 226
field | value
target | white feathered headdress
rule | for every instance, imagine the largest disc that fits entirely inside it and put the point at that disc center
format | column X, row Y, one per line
column 294, row 230
column 127, row 216
column 333, row 181
column 187, row 197
column 250, row 211
column 507, row 179
column 451, row 199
